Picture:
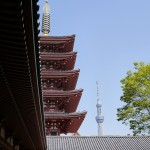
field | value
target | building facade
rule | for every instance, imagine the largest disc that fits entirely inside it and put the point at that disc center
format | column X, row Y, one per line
column 59, row 80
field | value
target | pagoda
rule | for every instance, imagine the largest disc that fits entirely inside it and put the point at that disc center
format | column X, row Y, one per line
column 59, row 79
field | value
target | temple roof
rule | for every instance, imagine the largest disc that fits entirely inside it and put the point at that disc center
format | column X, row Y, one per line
column 57, row 43
column 58, row 61
column 99, row 143
column 70, row 121
column 57, row 56
column 70, row 99
column 63, row 80
column 62, row 115
column 60, row 73
column 20, row 97
column 49, row 93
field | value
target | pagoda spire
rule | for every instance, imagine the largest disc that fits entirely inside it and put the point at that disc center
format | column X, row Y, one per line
column 46, row 19
column 99, row 117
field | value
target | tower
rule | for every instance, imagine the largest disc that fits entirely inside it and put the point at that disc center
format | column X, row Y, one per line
column 46, row 19
column 99, row 117
column 59, row 80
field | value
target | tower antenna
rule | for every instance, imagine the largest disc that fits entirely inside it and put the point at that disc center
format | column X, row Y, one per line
column 99, row 118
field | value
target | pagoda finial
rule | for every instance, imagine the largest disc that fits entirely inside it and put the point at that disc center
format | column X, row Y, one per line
column 46, row 19
column 99, row 118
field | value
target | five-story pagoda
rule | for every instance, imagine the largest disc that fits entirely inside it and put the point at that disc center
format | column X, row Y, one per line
column 59, row 80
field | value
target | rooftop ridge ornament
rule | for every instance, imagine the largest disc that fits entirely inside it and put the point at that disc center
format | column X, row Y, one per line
column 46, row 19
column 99, row 118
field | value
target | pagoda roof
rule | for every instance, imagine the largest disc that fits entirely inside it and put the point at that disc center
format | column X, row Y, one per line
column 65, row 79
column 70, row 121
column 70, row 98
column 48, row 93
column 98, row 142
column 57, row 43
column 66, row 60
column 20, row 99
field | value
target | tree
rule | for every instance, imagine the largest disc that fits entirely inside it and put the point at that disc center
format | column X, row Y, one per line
column 136, row 96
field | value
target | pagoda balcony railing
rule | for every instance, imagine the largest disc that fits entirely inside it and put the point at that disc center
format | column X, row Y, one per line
column 53, row 110
column 58, row 65
column 58, row 53
column 73, row 114
column 62, row 91
column 62, row 71
column 60, row 38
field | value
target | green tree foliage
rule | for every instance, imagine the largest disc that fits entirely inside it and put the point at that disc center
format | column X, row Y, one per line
column 136, row 96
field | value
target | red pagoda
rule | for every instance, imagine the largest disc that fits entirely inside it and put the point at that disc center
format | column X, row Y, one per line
column 59, row 80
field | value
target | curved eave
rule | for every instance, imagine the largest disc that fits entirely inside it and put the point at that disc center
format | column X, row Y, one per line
column 74, row 123
column 68, row 58
column 66, row 41
column 48, row 93
column 57, row 38
column 71, row 76
column 61, row 115
column 56, row 56
column 72, row 104
column 19, row 90
column 49, row 73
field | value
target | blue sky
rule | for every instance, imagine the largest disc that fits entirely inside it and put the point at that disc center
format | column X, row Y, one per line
column 110, row 36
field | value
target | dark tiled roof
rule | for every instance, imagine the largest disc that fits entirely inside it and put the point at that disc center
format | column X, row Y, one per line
column 21, row 110
column 99, row 143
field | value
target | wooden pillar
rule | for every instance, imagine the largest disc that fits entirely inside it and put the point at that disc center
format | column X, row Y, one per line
column 16, row 147
column 2, row 132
